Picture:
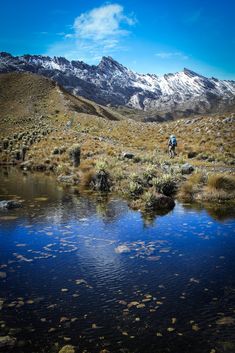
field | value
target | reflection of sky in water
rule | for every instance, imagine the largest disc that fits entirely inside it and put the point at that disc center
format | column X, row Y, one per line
column 62, row 252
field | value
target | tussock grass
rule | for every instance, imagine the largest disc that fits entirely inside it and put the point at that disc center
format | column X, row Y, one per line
column 221, row 182
column 211, row 188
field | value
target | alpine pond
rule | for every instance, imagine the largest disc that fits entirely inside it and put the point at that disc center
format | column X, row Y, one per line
column 85, row 272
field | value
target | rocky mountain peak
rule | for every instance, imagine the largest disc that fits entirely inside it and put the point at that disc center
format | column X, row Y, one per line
column 112, row 83
column 3, row 54
column 107, row 62
column 190, row 73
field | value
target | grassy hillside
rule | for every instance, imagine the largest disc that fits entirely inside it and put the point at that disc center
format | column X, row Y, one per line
column 24, row 97
column 37, row 114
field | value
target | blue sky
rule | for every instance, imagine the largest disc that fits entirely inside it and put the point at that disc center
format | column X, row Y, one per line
column 146, row 36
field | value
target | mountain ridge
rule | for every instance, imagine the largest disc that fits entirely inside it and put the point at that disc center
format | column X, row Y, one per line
column 111, row 83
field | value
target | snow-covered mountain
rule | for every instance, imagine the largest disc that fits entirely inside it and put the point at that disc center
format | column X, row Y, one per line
column 111, row 83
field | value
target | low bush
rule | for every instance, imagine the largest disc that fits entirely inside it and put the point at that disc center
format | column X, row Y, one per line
column 135, row 189
column 165, row 184
column 149, row 174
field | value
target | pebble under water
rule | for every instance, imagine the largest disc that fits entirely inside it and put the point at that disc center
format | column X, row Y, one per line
column 86, row 271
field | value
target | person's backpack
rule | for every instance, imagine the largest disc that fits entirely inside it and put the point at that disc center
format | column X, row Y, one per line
column 173, row 141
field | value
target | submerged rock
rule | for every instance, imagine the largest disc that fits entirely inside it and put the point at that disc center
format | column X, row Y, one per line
column 122, row 249
column 7, row 342
column 227, row 320
column 2, row 276
column 10, row 204
column 67, row 349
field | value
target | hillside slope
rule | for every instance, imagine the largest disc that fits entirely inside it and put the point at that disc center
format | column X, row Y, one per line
column 26, row 95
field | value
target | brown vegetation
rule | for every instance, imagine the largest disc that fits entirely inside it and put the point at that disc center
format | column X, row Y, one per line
column 208, row 143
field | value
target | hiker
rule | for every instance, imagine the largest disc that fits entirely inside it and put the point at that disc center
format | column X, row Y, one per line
column 172, row 143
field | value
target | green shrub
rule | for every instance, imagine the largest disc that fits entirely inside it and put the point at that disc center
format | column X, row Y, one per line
column 101, row 166
column 165, row 184
column 135, row 189
column 149, row 173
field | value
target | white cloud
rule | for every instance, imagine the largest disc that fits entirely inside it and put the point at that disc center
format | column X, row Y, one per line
column 170, row 55
column 102, row 23
column 95, row 33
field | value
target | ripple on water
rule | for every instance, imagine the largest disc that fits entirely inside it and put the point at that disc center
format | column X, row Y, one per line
column 71, row 273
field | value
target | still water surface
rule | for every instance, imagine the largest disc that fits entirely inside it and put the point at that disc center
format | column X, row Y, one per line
column 88, row 271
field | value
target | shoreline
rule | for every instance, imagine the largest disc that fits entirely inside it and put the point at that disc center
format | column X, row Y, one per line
column 216, row 207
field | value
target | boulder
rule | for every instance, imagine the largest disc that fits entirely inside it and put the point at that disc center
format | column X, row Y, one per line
column 160, row 202
column 128, row 155
column 229, row 120
column 10, row 204
column 187, row 168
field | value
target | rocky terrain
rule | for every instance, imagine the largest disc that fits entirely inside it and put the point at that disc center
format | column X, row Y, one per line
column 110, row 83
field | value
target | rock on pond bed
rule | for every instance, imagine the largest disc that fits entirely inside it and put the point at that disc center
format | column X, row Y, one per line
column 67, row 349
column 10, row 204
column 7, row 341
column 122, row 249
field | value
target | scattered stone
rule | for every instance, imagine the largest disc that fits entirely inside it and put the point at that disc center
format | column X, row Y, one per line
column 187, row 168
column 159, row 334
column 133, row 304
column 195, row 327
column 81, row 281
column 128, row 155
column 228, row 120
column 170, row 329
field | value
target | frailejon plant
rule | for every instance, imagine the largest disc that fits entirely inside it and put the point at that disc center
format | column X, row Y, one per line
column 165, row 184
